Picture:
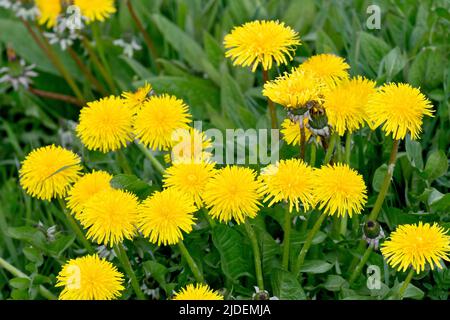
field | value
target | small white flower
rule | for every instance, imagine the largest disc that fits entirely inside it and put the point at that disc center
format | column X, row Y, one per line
column 18, row 76
column 7, row 4
column 128, row 47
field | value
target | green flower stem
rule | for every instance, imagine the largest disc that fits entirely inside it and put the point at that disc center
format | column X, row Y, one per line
column 305, row 223
column 307, row 245
column 273, row 112
column 256, row 254
column 96, row 61
column 386, row 182
column 123, row 161
column 380, row 199
column 330, row 149
column 210, row 220
column 348, row 147
column 402, row 289
column 19, row 274
column 87, row 73
column 192, row 264
column 357, row 271
column 287, row 238
column 76, row 228
column 126, row 264
column 147, row 38
column 313, row 154
column 302, row 141
column 53, row 57
column 156, row 164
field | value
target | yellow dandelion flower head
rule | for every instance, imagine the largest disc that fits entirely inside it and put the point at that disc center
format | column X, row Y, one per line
column 416, row 245
column 48, row 172
column 85, row 188
column 291, row 181
column 339, row 190
column 189, row 178
column 105, row 125
column 96, row 10
column 90, row 278
column 165, row 215
column 190, row 145
column 327, row 67
column 49, row 10
column 261, row 42
column 400, row 109
column 197, row 292
column 158, row 119
column 294, row 90
column 233, row 193
column 110, row 216
column 291, row 131
column 134, row 100
column 346, row 103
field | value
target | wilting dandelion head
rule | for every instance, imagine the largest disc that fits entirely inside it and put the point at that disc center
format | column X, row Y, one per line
column 346, row 103
column 90, row 278
column 291, row 181
column 261, row 42
column 233, row 193
column 134, row 100
column 96, row 10
column 158, row 119
column 339, row 190
column 49, row 10
column 327, row 67
column 190, row 145
column 85, row 188
column 189, row 178
column 416, row 245
column 105, row 125
column 48, row 172
column 165, row 215
column 294, row 89
column 399, row 108
column 197, row 292
column 291, row 131
column 110, row 216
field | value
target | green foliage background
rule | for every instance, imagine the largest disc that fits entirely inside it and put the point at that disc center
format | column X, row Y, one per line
column 411, row 46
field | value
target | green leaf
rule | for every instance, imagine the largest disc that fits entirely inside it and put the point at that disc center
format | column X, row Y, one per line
column 34, row 255
column 378, row 177
column 373, row 49
column 133, row 184
column 437, row 165
column 334, row 282
column 316, row 266
column 61, row 244
column 442, row 205
column 20, row 283
column 29, row 234
column 286, row 286
column 427, row 70
column 235, row 252
column 158, row 272
column 414, row 153
column 413, row 292
column 392, row 64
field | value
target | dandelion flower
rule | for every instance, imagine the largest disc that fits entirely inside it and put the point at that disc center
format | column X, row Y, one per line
column 48, row 172
column 346, row 103
column 400, row 109
column 327, row 67
column 261, row 42
column 233, row 193
column 291, row 131
column 158, row 119
column 165, row 215
column 85, row 188
column 110, row 216
column 96, row 10
column 339, row 190
column 90, row 278
column 189, row 178
column 105, row 125
column 49, row 11
column 197, row 292
column 134, row 100
column 293, row 90
column 290, row 181
column 416, row 245
column 190, row 145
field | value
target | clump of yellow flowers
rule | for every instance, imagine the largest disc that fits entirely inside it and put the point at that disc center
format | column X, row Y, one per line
column 321, row 101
